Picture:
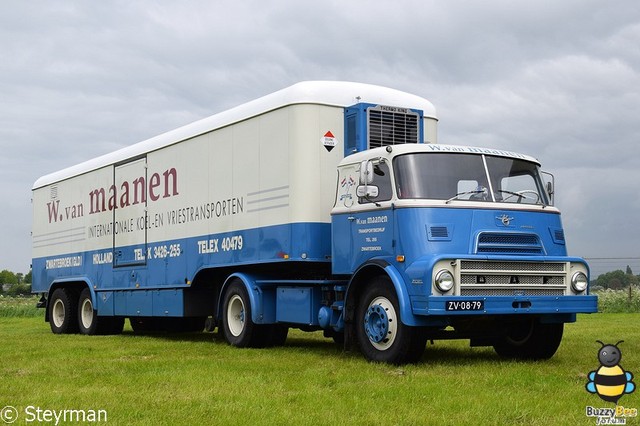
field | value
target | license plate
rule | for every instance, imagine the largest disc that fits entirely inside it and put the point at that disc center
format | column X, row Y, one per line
column 465, row 305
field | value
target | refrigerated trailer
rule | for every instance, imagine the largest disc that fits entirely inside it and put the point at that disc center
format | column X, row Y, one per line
column 324, row 206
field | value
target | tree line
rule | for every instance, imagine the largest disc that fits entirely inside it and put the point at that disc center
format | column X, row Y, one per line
column 15, row 284
column 616, row 280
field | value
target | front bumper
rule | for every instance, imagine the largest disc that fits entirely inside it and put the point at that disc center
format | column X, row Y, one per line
column 502, row 305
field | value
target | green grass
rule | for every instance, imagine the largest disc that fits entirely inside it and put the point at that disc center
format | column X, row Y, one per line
column 20, row 306
column 198, row 379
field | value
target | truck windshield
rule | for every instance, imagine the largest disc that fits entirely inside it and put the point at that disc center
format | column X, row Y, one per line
column 450, row 177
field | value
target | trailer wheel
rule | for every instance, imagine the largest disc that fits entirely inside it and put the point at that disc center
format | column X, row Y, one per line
column 237, row 327
column 62, row 311
column 530, row 340
column 381, row 335
column 90, row 323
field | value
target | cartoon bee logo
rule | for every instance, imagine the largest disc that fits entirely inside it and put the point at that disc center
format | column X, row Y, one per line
column 610, row 381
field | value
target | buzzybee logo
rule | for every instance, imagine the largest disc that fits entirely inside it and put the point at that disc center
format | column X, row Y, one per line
column 610, row 382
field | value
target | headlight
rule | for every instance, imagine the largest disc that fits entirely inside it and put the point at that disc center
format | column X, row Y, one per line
column 579, row 282
column 444, row 281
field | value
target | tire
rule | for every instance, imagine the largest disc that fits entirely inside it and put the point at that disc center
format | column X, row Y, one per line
column 381, row 336
column 63, row 307
column 90, row 323
column 530, row 340
column 237, row 327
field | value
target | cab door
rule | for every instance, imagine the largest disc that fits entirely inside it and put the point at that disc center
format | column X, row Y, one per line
column 362, row 226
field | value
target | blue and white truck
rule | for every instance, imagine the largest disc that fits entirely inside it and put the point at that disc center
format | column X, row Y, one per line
column 323, row 206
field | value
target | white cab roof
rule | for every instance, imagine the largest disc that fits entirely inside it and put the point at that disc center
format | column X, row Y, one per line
column 333, row 93
column 433, row 148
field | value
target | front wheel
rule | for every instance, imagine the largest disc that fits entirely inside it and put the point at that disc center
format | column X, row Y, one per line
column 237, row 327
column 381, row 335
column 531, row 340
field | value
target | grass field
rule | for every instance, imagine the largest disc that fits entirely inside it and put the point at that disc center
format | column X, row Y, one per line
column 198, row 379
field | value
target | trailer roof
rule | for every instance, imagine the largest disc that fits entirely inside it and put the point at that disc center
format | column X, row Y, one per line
column 334, row 93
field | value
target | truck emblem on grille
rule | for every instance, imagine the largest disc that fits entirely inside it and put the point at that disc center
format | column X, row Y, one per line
column 505, row 219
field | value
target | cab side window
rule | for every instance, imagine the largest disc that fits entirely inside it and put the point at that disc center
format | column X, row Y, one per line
column 381, row 179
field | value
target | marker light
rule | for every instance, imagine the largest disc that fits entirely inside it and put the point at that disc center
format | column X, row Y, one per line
column 444, row 281
column 579, row 282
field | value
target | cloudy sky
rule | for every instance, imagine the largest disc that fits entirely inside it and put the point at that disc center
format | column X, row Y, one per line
column 559, row 80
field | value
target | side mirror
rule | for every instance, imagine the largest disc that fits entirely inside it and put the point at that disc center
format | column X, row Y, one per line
column 366, row 173
column 549, row 185
column 367, row 191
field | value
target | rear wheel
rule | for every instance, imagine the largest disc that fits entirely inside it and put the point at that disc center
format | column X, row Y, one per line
column 530, row 340
column 90, row 323
column 63, row 311
column 381, row 335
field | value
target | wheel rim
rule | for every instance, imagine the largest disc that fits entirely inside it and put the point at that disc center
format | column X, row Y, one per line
column 86, row 313
column 235, row 315
column 380, row 323
column 57, row 313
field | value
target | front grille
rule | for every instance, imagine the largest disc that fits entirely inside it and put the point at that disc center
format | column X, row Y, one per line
column 509, row 243
column 392, row 126
column 480, row 265
column 498, row 278
column 511, row 292
column 512, row 279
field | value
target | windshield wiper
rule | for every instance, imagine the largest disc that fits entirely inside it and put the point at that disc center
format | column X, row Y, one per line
column 520, row 195
column 475, row 191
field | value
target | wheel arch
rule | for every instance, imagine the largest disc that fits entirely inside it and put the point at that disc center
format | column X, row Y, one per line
column 74, row 284
column 364, row 274
column 260, row 312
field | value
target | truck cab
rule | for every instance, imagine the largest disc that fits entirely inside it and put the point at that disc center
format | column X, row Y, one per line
column 459, row 242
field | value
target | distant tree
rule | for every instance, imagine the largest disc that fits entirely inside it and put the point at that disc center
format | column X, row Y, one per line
column 27, row 278
column 8, row 277
column 20, row 277
column 19, row 290
column 629, row 271
column 616, row 280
